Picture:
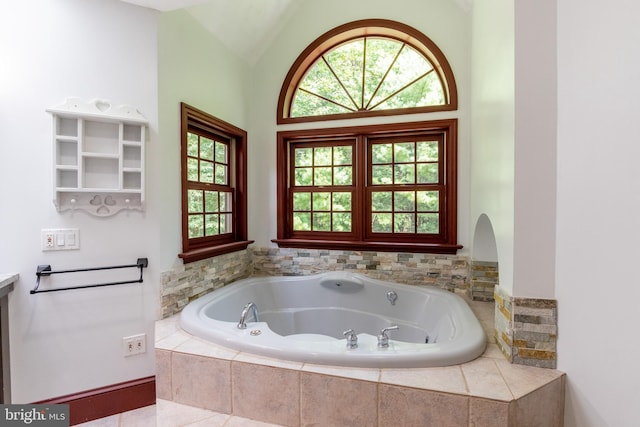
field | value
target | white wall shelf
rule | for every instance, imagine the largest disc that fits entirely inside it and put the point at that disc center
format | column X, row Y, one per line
column 98, row 157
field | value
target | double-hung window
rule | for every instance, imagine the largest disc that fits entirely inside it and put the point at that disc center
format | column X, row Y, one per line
column 369, row 189
column 213, row 186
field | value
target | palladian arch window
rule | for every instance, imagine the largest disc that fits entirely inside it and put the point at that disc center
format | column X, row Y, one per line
column 377, row 186
column 372, row 67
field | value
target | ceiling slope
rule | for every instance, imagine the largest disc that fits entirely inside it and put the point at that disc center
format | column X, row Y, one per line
column 245, row 27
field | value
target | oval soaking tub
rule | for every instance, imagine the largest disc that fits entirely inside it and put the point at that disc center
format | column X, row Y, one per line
column 308, row 318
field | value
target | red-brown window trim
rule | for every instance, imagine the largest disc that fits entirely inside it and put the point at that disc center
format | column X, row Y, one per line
column 448, row 244
column 356, row 29
column 192, row 250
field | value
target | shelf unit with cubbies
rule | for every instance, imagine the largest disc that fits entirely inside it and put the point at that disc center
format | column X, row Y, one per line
column 98, row 157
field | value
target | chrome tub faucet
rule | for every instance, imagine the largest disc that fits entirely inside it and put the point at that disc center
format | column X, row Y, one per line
column 242, row 324
column 352, row 339
column 383, row 338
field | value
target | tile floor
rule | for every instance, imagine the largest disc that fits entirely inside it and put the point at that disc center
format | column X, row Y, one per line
column 170, row 414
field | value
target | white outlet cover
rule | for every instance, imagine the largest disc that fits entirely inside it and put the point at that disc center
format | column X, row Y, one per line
column 60, row 239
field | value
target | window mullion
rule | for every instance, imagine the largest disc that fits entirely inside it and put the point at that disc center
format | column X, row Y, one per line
column 362, row 208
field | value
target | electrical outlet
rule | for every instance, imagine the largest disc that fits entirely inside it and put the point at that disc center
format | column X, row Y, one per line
column 60, row 239
column 49, row 240
column 135, row 344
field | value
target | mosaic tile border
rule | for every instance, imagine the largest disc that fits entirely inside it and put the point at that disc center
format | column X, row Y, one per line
column 190, row 281
column 445, row 271
column 484, row 278
column 187, row 282
column 526, row 329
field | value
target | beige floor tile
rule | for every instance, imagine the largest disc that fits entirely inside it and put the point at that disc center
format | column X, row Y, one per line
column 174, row 340
column 163, row 374
column 171, row 414
column 143, row 417
column 401, row 406
column 542, row 408
column 447, row 379
column 267, row 361
column 333, row 401
column 112, row 421
column 365, row 374
column 244, row 422
column 205, row 348
column 483, row 310
column 522, row 380
column 484, row 379
column 271, row 394
column 166, row 327
column 201, row 382
column 488, row 413
column 493, row 351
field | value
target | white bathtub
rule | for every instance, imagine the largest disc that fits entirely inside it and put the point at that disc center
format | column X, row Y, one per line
column 303, row 318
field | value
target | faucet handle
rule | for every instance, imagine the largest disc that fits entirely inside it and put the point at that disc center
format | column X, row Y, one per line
column 383, row 338
column 352, row 338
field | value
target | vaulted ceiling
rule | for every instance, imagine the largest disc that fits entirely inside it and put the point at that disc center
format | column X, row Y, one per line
column 246, row 27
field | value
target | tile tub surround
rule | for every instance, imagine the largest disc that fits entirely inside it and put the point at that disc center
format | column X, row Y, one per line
column 445, row 271
column 526, row 329
column 488, row 391
column 187, row 282
column 525, row 336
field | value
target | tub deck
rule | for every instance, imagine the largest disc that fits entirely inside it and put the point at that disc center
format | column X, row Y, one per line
column 488, row 391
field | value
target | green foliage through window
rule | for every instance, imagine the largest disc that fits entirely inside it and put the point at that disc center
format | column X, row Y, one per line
column 209, row 211
column 365, row 74
column 404, row 178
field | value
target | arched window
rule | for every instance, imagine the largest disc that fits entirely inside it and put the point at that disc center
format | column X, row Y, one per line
column 381, row 186
column 367, row 68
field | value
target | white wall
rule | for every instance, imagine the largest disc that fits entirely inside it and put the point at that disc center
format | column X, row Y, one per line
column 194, row 67
column 598, row 203
column 535, row 149
column 514, row 139
column 66, row 342
column 493, row 127
column 447, row 23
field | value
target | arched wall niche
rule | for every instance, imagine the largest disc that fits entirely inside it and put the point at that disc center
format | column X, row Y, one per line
column 484, row 261
column 484, row 241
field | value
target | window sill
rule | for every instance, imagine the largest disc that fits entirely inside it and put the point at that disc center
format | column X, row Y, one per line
column 211, row 251
column 432, row 248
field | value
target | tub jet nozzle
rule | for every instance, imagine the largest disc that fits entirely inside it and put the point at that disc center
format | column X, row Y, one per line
column 392, row 297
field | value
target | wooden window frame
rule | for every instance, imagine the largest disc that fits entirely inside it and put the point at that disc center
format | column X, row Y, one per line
column 198, row 121
column 360, row 239
column 354, row 30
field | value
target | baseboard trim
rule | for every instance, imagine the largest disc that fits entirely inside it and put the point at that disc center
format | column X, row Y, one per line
column 109, row 400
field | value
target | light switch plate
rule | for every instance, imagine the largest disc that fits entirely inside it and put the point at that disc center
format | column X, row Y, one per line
column 60, row 239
